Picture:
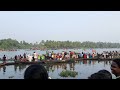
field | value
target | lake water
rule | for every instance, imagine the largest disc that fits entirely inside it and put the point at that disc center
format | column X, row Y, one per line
column 84, row 68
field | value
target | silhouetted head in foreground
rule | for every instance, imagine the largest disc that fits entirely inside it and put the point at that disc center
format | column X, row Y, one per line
column 102, row 74
column 36, row 72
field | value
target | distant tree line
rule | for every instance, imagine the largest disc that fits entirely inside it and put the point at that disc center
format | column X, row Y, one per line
column 51, row 44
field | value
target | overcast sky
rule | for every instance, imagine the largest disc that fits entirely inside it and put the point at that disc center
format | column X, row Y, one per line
column 34, row 26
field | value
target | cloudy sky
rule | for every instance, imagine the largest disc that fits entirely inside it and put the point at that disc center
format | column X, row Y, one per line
column 34, row 26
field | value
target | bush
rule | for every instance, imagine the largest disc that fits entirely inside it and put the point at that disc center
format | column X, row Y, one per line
column 68, row 73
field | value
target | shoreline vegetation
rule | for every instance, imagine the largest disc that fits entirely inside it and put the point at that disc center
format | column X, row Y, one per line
column 12, row 45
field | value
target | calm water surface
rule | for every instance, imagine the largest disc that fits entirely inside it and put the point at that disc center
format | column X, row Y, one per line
column 84, row 68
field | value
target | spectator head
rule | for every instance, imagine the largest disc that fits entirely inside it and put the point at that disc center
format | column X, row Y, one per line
column 36, row 72
column 102, row 74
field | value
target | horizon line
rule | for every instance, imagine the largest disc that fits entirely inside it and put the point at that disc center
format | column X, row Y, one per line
column 63, row 41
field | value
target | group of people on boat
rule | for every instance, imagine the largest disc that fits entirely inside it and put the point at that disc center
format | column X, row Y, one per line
column 65, row 56
column 71, row 55
column 54, row 56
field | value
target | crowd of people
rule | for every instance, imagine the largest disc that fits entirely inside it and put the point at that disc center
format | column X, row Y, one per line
column 65, row 55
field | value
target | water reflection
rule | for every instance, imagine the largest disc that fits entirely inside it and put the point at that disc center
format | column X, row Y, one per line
column 19, row 67
column 52, row 67
column 84, row 67
column 71, row 66
column 89, row 62
column 15, row 68
column 4, row 70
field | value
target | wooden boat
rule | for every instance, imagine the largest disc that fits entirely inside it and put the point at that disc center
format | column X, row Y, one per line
column 52, row 61
column 78, row 59
column 13, row 63
column 70, row 59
